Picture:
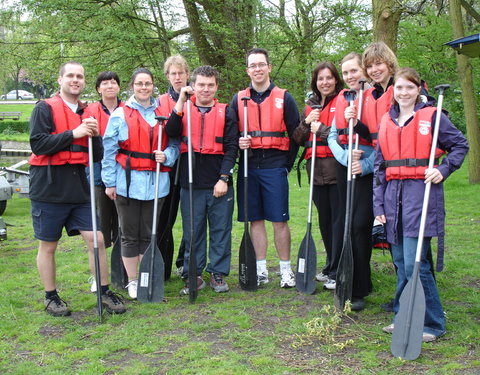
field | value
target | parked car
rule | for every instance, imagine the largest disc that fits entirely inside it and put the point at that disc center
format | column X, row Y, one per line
column 22, row 95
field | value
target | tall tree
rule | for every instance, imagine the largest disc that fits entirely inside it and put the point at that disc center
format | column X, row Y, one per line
column 468, row 93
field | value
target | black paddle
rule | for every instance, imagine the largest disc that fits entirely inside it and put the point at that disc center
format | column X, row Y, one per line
column 307, row 253
column 166, row 242
column 247, row 266
column 152, row 269
column 119, row 278
column 94, row 228
column 192, row 259
column 344, row 281
column 408, row 328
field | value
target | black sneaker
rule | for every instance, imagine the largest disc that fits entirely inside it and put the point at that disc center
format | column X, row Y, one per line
column 113, row 303
column 56, row 306
column 358, row 304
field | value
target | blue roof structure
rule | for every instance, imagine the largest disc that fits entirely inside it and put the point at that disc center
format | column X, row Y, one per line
column 469, row 45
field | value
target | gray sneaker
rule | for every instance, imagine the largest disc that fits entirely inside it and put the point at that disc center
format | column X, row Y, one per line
column 56, row 306
column 218, row 283
column 113, row 303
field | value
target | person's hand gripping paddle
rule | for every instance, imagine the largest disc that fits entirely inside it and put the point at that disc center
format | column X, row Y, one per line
column 408, row 326
column 151, row 286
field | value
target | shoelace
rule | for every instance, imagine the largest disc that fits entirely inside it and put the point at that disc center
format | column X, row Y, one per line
column 115, row 297
column 58, row 301
column 218, row 278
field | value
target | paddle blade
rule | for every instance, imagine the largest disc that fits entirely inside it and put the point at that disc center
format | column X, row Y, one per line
column 119, row 278
column 165, row 244
column 247, row 268
column 408, row 332
column 344, row 281
column 306, row 265
column 151, row 281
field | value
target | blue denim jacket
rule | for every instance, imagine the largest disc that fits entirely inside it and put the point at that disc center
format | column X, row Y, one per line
column 142, row 184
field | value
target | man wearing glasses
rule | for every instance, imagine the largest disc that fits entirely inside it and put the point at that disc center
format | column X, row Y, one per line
column 272, row 117
column 176, row 71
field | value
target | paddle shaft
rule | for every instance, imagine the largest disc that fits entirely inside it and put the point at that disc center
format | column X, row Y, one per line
column 98, row 278
column 192, row 261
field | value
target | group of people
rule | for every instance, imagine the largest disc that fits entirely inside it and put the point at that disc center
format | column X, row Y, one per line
column 388, row 186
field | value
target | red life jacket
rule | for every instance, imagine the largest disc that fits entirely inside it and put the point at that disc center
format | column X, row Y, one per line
column 64, row 119
column 406, row 149
column 327, row 115
column 342, row 124
column 137, row 152
column 96, row 111
column 266, row 124
column 207, row 129
column 166, row 104
column 374, row 109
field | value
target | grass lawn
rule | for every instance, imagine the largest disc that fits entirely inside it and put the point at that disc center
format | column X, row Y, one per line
column 271, row 331
column 25, row 108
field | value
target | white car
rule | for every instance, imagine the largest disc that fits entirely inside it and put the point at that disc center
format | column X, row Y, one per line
column 22, row 95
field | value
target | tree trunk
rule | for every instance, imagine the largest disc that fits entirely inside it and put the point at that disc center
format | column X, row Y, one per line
column 468, row 93
column 386, row 17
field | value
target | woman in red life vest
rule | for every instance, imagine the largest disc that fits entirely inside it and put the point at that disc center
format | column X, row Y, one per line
column 361, row 233
column 401, row 172
column 108, row 87
column 128, row 169
column 325, row 84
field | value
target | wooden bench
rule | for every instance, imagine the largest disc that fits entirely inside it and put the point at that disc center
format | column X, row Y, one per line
column 10, row 115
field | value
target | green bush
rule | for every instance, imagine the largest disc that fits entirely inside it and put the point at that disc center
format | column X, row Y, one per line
column 14, row 126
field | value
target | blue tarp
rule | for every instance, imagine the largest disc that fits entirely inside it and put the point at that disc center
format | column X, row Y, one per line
column 469, row 45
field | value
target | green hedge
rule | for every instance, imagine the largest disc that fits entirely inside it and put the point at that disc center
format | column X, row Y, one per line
column 14, row 126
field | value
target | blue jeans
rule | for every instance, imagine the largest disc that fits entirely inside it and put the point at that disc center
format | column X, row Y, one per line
column 404, row 258
column 218, row 212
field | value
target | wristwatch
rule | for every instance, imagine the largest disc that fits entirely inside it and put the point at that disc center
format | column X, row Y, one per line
column 225, row 178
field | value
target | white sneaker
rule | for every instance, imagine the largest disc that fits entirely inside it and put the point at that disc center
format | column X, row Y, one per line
column 330, row 284
column 93, row 284
column 179, row 271
column 262, row 277
column 321, row 277
column 132, row 289
column 288, row 279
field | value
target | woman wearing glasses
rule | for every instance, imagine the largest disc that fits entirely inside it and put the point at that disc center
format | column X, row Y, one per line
column 129, row 163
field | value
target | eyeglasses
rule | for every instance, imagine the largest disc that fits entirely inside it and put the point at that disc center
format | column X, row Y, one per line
column 174, row 74
column 143, row 84
column 259, row 66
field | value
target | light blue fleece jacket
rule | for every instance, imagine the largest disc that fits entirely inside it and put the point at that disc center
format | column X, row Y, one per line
column 341, row 153
column 142, row 184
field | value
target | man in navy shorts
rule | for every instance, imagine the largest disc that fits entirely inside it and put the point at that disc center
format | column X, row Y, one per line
column 272, row 118
column 59, row 189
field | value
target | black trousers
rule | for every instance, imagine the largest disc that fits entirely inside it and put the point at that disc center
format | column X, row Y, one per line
column 326, row 201
column 362, row 222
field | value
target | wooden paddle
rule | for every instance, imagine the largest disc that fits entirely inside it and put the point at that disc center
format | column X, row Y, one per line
column 94, row 228
column 344, row 280
column 151, row 286
column 307, row 253
column 247, row 264
column 408, row 328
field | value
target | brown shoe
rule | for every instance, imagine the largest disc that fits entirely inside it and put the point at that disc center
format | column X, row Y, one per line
column 113, row 303
column 56, row 306
column 218, row 283
column 200, row 285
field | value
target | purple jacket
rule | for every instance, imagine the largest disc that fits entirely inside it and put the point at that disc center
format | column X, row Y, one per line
column 406, row 196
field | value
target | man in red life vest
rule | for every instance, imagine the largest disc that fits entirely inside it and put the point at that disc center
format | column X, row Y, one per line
column 272, row 118
column 214, row 134
column 59, row 189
